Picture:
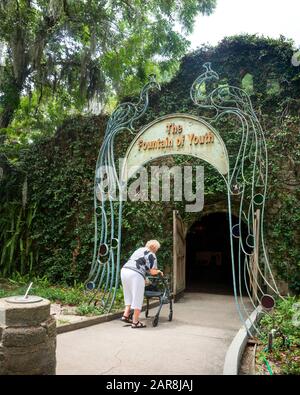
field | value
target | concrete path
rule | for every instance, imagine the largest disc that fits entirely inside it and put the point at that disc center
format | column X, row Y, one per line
column 195, row 342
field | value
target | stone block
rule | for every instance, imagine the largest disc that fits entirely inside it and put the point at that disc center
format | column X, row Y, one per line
column 20, row 315
column 23, row 337
column 48, row 369
column 30, row 360
column 27, row 339
column 50, row 326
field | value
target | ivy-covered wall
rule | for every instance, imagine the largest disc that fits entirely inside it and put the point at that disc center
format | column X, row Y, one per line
column 47, row 202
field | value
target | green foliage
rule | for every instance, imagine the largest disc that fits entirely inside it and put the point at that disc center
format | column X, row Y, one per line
column 60, row 191
column 69, row 296
column 282, row 319
column 18, row 279
column 40, row 115
column 247, row 83
column 89, row 310
column 283, row 219
column 285, row 353
column 154, row 221
column 15, row 236
column 96, row 309
column 62, row 294
column 285, row 240
column 61, row 54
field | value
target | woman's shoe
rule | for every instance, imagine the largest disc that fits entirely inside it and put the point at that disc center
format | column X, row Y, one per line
column 138, row 325
column 126, row 319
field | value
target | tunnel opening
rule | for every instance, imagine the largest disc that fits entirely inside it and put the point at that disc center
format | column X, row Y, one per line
column 208, row 255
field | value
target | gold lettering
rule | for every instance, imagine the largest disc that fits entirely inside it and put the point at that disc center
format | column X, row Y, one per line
column 191, row 137
column 171, row 128
column 178, row 140
column 154, row 144
column 208, row 137
column 168, row 127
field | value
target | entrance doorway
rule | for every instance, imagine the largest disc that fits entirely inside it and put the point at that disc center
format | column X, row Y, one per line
column 208, row 255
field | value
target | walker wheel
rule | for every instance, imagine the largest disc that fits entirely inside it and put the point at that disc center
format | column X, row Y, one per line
column 155, row 321
column 170, row 316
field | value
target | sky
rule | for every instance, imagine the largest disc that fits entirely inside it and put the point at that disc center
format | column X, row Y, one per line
column 265, row 17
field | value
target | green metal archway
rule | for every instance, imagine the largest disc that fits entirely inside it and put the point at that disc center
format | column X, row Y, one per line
column 228, row 101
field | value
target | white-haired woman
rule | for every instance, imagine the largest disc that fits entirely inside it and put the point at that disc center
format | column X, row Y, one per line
column 133, row 274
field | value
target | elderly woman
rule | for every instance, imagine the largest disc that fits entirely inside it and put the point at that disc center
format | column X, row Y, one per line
column 133, row 275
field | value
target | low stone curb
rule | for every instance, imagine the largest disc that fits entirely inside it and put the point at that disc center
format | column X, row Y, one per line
column 96, row 320
column 236, row 349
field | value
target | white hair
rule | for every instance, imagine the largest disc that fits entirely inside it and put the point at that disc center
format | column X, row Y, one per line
column 153, row 244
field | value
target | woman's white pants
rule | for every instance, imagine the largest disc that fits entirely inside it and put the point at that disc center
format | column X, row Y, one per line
column 133, row 288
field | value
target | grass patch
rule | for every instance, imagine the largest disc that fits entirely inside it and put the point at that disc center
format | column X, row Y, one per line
column 89, row 310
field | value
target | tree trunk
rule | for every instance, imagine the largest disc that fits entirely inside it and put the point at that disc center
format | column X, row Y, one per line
column 10, row 101
column 6, row 117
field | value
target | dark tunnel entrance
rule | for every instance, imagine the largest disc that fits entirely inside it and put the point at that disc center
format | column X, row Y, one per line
column 208, row 255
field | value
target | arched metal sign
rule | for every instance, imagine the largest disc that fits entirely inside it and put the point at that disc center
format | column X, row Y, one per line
column 176, row 134
column 189, row 135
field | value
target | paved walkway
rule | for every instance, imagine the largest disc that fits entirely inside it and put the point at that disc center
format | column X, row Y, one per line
column 195, row 342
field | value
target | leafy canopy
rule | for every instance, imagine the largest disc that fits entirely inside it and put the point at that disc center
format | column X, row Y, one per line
column 73, row 51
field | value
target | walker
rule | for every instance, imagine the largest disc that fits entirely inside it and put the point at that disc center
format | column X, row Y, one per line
column 158, row 288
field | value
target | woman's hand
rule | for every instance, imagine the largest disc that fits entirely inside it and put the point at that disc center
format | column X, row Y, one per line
column 155, row 272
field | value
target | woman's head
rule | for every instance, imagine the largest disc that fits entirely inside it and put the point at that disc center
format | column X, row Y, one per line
column 153, row 245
